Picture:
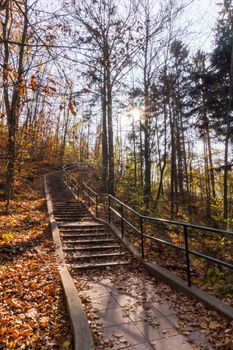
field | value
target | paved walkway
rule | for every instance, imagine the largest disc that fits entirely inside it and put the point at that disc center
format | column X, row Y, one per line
column 132, row 315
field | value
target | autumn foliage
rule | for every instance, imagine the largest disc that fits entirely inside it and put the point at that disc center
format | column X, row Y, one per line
column 33, row 314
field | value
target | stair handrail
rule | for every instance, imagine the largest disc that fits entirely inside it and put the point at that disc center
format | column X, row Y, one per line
column 73, row 183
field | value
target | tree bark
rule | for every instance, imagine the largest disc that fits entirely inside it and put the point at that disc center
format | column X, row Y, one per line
column 12, row 107
column 104, row 136
column 111, row 168
column 147, row 171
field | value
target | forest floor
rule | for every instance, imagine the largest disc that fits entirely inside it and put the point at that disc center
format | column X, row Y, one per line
column 33, row 312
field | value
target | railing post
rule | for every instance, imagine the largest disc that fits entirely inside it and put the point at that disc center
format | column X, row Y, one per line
column 83, row 196
column 142, row 237
column 109, row 210
column 122, row 221
column 96, row 205
column 187, row 256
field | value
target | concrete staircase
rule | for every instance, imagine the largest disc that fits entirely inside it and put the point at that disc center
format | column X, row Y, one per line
column 87, row 244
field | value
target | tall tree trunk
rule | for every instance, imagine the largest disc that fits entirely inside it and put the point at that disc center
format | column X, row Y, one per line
column 179, row 161
column 141, row 153
column 147, row 173
column 184, row 154
column 173, row 164
column 104, row 137
column 228, row 130
column 226, row 169
column 11, row 152
column 134, row 154
column 12, row 108
column 207, row 177
column 163, row 167
column 211, row 166
column 147, row 156
column 111, row 170
column 63, row 146
column 207, row 130
column 174, row 156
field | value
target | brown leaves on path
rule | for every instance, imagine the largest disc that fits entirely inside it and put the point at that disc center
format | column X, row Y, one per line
column 204, row 328
column 32, row 309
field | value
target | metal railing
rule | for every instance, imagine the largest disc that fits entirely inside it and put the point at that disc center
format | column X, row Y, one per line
column 93, row 197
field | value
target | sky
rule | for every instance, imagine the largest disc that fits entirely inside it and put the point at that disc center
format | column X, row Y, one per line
column 200, row 18
column 202, row 14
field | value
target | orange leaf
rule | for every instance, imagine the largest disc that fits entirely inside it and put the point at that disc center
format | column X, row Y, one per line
column 26, row 332
column 71, row 106
column 43, row 322
column 33, row 82
column 22, row 89
column 6, row 72
column 46, row 89
column 14, row 334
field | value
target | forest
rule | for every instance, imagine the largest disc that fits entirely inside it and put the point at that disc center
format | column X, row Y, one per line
column 134, row 91
column 122, row 91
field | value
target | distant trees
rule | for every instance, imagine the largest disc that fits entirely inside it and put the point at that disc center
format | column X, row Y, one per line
column 201, row 94
column 189, row 100
column 222, row 63
column 178, row 76
column 154, row 32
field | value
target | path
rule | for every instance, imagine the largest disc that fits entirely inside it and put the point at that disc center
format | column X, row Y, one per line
column 124, row 304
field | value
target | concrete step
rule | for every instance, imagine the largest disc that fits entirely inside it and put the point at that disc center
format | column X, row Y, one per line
column 83, row 230
column 71, row 212
column 91, row 241
column 99, row 247
column 81, row 235
column 96, row 256
column 57, row 202
column 65, row 200
column 77, row 212
column 67, row 206
column 80, row 227
column 96, row 265
column 77, row 218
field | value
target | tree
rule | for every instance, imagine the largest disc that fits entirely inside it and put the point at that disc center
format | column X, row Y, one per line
column 200, row 93
column 155, row 32
column 13, row 81
column 222, row 62
column 108, row 32
column 27, row 85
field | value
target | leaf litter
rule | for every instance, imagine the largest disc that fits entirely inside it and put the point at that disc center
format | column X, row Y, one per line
column 33, row 313
column 204, row 329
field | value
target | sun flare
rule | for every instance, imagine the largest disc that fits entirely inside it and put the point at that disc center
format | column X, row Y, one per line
column 132, row 116
column 136, row 114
